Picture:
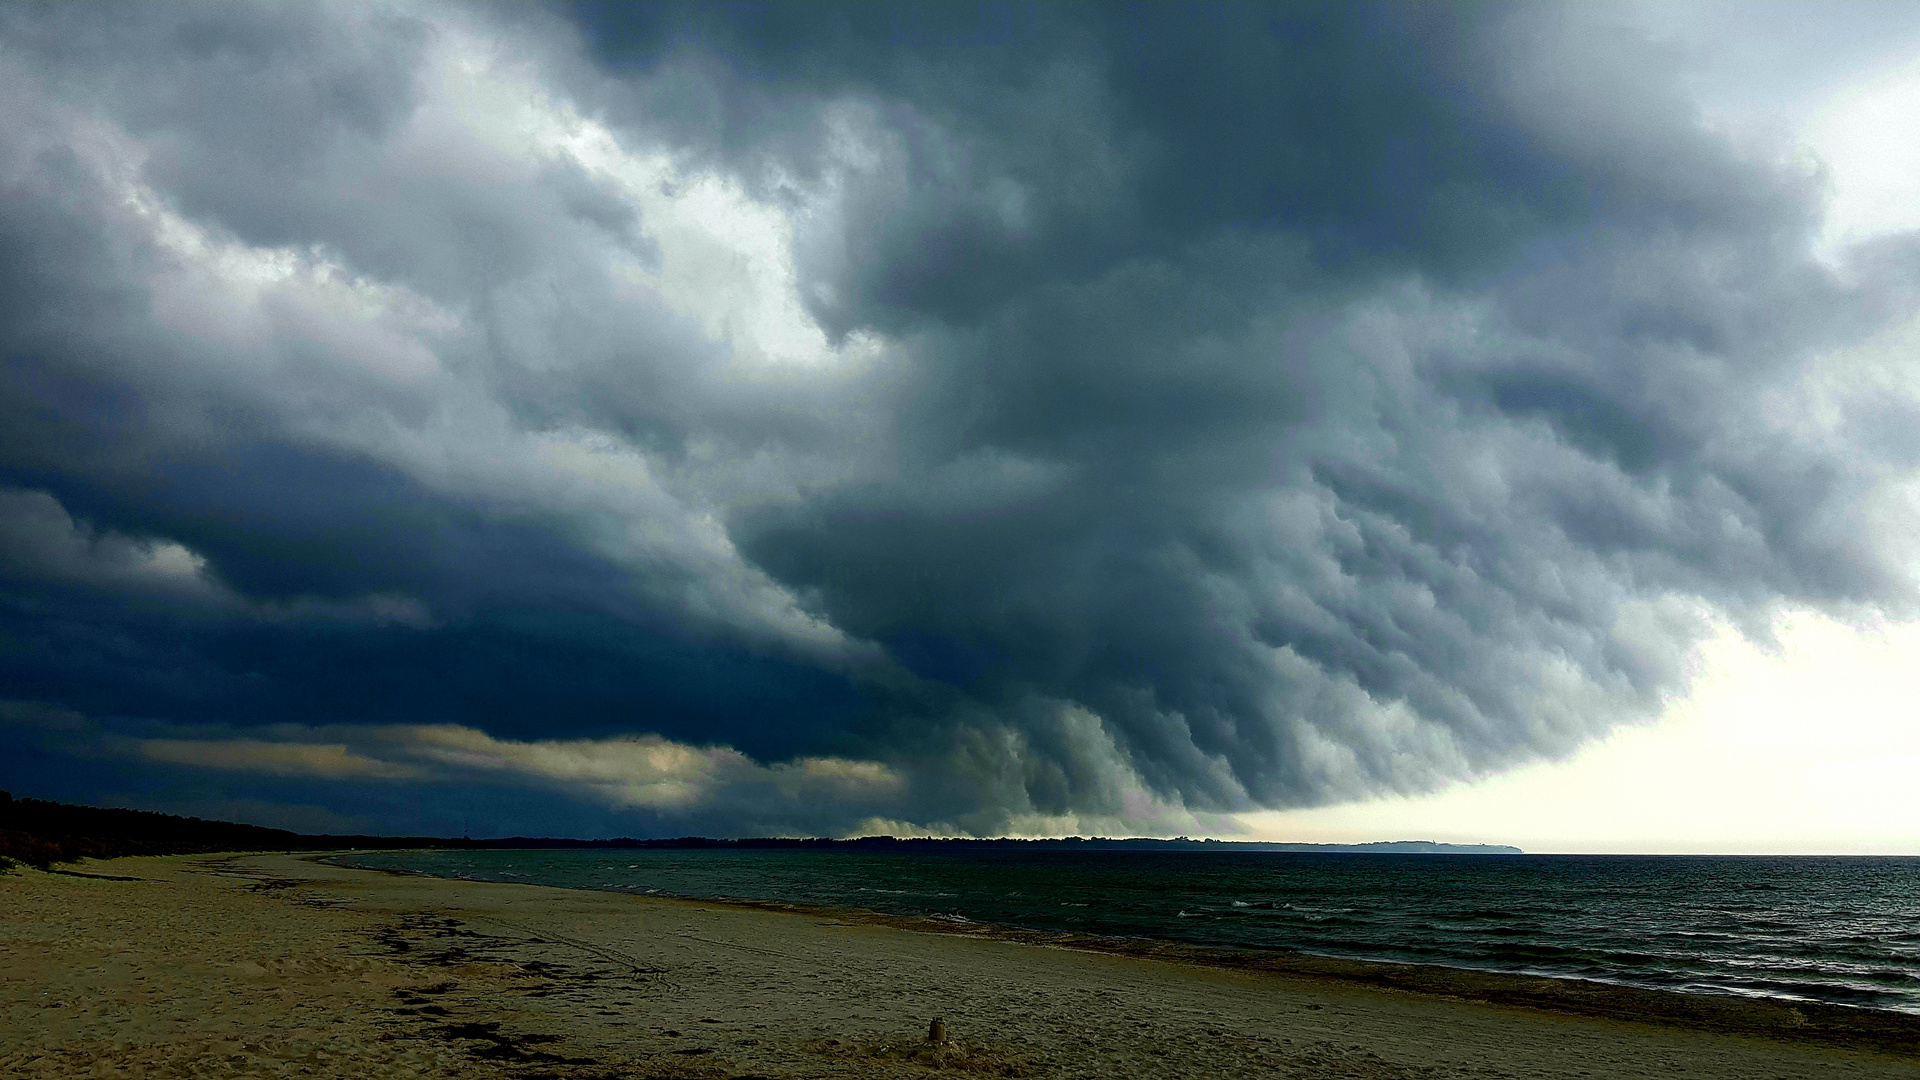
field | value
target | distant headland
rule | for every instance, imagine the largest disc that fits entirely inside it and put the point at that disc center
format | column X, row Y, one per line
column 1068, row 843
column 41, row 833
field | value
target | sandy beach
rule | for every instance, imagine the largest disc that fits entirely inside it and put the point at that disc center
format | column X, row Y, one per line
column 280, row 965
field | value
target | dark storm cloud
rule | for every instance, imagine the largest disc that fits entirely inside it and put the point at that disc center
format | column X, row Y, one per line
column 981, row 417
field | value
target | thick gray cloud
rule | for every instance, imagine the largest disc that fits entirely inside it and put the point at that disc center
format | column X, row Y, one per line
column 816, row 418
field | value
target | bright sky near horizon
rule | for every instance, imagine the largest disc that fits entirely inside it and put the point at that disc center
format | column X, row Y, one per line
column 1809, row 746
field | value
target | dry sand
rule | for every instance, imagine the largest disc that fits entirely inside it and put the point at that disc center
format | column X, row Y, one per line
column 280, row 966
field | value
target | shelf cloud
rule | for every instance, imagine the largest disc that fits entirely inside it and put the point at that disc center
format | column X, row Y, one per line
column 970, row 419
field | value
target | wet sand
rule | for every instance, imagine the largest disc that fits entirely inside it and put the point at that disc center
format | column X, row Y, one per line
column 279, row 965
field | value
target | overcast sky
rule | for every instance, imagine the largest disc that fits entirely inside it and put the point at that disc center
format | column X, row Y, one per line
column 967, row 419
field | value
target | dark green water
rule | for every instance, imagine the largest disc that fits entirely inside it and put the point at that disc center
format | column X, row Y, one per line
column 1835, row 929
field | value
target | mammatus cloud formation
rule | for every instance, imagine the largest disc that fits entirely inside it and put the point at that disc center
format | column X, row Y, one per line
column 818, row 418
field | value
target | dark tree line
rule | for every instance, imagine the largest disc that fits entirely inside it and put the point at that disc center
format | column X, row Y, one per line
column 41, row 833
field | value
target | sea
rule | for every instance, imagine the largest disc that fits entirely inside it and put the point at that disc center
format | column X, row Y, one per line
column 1843, row 930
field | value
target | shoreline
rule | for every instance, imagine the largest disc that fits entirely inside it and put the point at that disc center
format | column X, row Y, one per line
column 1851, row 1026
column 284, row 965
